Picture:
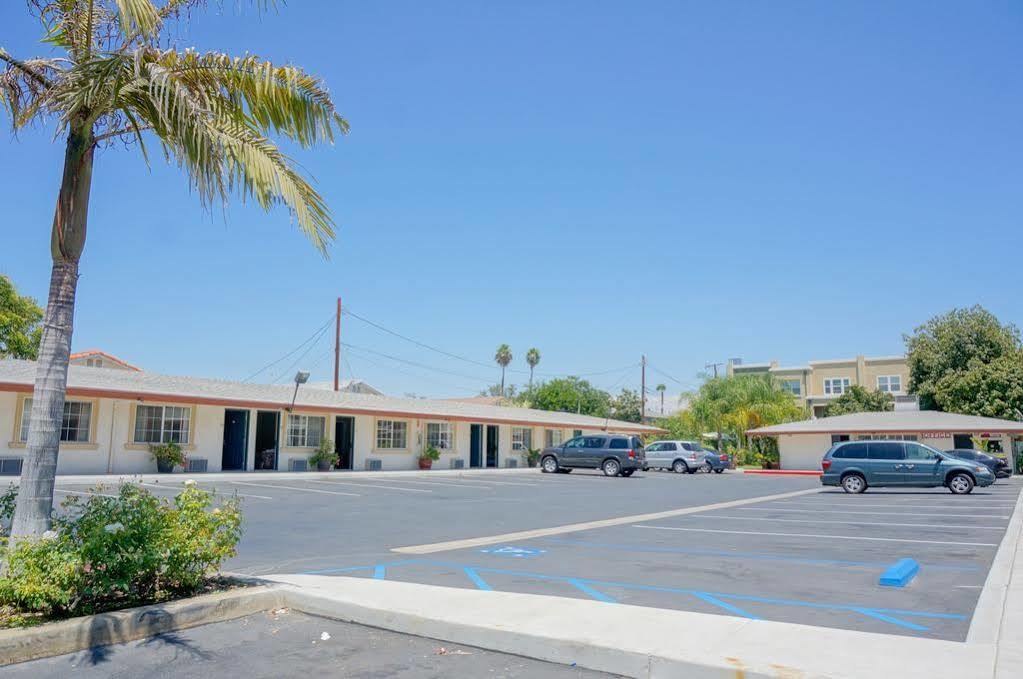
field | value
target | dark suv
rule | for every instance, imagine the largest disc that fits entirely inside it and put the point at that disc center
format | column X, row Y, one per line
column 615, row 454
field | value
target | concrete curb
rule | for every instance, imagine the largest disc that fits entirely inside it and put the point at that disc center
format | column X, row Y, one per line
column 628, row 640
column 782, row 472
column 68, row 636
column 213, row 477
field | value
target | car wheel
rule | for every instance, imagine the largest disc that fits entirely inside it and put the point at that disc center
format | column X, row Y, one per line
column 549, row 464
column 961, row 484
column 611, row 467
column 718, row 471
column 679, row 467
column 706, row 467
column 854, row 483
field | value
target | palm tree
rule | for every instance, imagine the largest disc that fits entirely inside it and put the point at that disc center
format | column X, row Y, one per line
column 503, row 356
column 120, row 79
column 661, row 388
column 533, row 359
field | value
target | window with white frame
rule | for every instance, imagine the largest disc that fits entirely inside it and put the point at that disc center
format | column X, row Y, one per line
column 163, row 424
column 836, row 386
column 305, row 431
column 392, row 434
column 553, row 437
column 75, row 426
column 522, row 438
column 889, row 383
column 791, row 386
column 440, row 435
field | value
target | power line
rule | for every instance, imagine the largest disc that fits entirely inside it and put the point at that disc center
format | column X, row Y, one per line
column 416, row 364
column 293, row 351
column 430, row 380
column 661, row 372
column 305, row 353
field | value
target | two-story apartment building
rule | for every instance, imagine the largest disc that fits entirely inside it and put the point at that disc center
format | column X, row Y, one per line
column 817, row 383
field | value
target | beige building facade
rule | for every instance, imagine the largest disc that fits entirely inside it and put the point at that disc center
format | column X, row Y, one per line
column 817, row 383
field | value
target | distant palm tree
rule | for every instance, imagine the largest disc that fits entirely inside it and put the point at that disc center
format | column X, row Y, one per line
column 661, row 388
column 120, row 78
column 532, row 358
column 503, row 356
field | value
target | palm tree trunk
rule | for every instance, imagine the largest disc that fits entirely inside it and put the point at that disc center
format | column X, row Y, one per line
column 530, row 378
column 35, row 495
column 502, row 381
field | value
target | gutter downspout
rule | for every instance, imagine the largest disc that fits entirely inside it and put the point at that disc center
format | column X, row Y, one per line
column 110, row 443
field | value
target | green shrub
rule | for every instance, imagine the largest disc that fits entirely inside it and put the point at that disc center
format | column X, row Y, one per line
column 430, row 453
column 112, row 552
column 324, row 453
column 168, row 452
column 532, row 456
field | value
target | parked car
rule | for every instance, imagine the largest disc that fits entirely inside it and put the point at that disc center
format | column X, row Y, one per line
column 998, row 466
column 683, row 456
column 614, row 454
column 857, row 465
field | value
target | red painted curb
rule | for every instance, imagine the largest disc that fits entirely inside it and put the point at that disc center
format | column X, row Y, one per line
column 783, row 472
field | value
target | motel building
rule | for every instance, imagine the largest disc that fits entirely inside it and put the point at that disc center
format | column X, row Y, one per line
column 801, row 445
column 112, row 414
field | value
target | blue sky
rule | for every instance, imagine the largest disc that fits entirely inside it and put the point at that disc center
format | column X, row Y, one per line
column 689, row 180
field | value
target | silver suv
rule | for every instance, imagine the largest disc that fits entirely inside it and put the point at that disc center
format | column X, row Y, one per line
column 614, row 454
column 682, row 457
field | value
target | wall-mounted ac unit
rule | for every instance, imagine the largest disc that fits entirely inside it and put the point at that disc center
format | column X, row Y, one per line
column 299, row 465
column 511, row 462
column 457, row 463
column 374, row 465
column 197, row 464
column 10, row 466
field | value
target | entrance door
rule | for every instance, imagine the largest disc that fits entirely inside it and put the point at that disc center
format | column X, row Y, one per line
column 268, row 424
column 344, row 440
column 492, row 433
column 962, row 441
column 236, row 439
column 476, row 445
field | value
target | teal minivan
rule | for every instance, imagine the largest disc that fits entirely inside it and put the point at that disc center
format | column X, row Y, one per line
column 857, row 465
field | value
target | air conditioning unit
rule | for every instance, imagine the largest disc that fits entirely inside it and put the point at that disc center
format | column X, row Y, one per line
column 374, row 465
column 511, row 462
column 457, row 463
column 298, row 465
column 10, row 466
column 197, row 464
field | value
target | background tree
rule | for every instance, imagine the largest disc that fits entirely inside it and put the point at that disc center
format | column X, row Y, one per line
column 660, row 389
column 953, row 344
column 627, row 406
column 568, row 395
column 533, row 359
column 511, row 393
column 857, row 399
column 20, row 330
column 993, row 389
column 503, row 356
column 119, row 77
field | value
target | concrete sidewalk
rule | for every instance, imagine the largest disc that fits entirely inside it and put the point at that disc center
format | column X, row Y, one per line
column 214, row 477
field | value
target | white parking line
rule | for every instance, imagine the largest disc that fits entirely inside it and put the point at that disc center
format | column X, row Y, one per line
column 940, row 526
column 214, row 491
column 496, row 483
column 370, row 485
column 303, row 490
column 588, row 525
column 892, row 507
column 825, row 537
column 842, row 511
column 81, row 492
column 435, row 483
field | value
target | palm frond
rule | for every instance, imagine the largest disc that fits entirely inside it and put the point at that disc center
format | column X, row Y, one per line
column 137, row 17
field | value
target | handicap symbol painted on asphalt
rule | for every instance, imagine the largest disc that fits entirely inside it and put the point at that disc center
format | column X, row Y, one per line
column 515, row 552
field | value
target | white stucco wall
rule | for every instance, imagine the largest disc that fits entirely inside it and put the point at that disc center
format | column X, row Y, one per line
column 803, row 451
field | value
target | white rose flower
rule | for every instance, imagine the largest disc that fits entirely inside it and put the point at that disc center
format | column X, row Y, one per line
column 190, row 482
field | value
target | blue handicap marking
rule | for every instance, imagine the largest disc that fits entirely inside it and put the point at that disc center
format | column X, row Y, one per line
column 514, row 552
column 900, row 573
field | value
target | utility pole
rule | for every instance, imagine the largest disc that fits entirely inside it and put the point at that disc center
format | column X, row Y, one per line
column 337, row 347
column 717, row 425
column 642, row 390
column 715, row 367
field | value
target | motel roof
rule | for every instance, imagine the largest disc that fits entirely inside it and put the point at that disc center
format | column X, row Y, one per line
column 18, row 375
column 899, row 421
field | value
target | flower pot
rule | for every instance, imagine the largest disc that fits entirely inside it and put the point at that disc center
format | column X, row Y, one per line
column 164, row 466
column 323, row 466
column 425, row 463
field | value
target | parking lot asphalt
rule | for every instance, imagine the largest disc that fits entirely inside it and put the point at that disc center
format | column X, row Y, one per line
column 812, row 557
column 287, row 644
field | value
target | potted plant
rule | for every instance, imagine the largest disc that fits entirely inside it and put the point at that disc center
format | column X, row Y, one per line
column 532, row 456
column 167, row 455
column 429, row 455
column 324, row 458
